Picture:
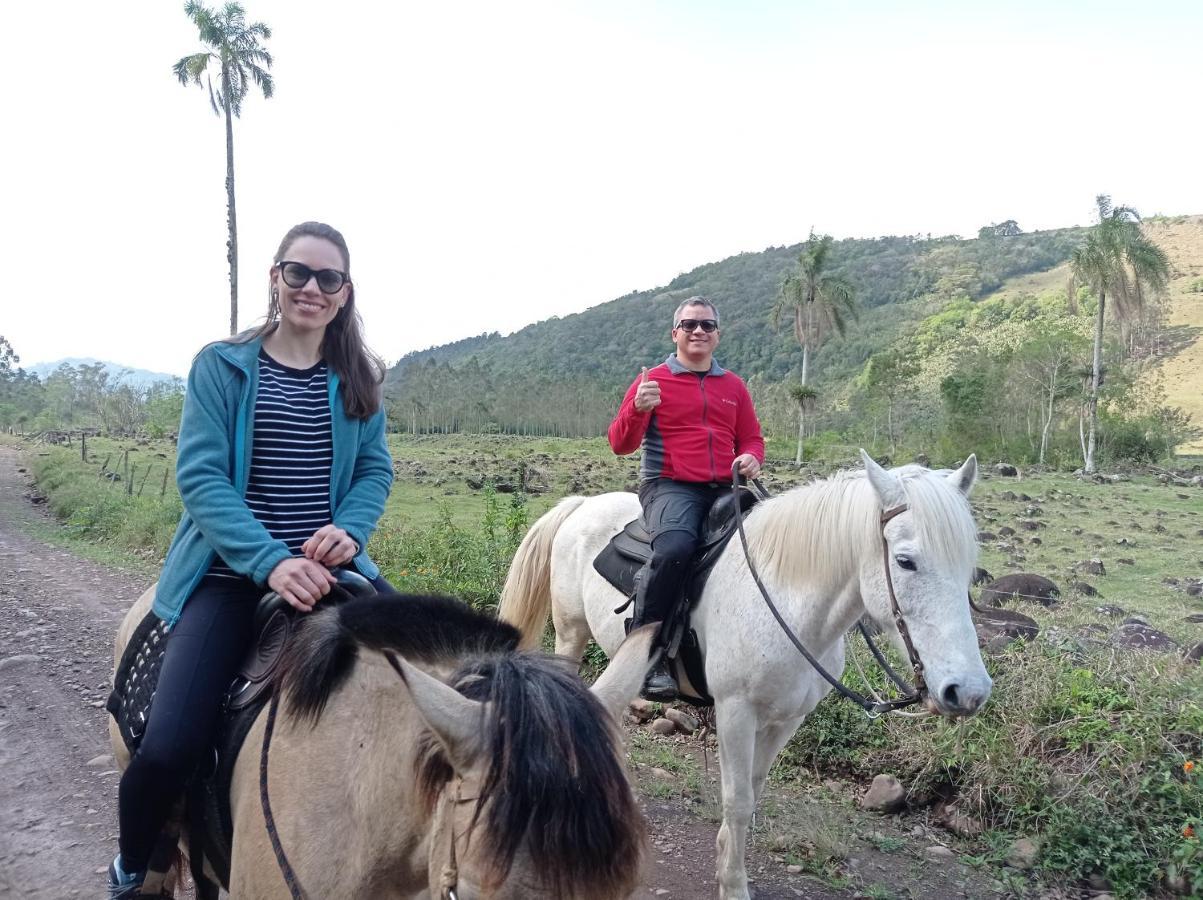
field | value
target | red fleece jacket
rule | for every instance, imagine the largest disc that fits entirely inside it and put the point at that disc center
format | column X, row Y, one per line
column 701, row 425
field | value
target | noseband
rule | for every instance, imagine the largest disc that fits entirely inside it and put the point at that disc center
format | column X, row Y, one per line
column 912, row 694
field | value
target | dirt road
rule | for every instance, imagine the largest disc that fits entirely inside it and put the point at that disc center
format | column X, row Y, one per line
column 58, row 783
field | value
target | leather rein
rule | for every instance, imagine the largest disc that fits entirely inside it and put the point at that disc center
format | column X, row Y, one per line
column 449, row 870
column 911, row 694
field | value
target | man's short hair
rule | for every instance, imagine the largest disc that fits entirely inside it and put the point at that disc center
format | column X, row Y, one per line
column 694, row 301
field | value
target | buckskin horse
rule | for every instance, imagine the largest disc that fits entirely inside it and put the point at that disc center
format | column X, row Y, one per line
column 898, row 545
column 418, row 753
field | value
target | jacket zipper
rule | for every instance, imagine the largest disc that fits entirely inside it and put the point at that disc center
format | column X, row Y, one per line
column 706, row 423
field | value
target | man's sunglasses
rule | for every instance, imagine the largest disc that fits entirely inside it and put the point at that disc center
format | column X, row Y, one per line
column 297, row 275
column 707, row 325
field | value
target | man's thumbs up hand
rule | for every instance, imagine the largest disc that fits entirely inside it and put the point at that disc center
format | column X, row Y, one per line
column 647, row 395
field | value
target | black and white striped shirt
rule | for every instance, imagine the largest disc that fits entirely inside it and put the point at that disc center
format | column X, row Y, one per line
column 289, row 487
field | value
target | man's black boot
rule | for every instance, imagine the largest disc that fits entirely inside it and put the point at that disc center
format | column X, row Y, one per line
column 660, row 686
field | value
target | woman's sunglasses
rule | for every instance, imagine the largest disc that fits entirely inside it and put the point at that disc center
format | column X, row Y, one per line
column 296, row 275
column 707, row 325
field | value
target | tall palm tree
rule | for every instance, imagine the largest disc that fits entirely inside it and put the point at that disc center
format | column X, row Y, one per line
column 234, row 49
column 805, row 396
column 1116, row 260
column 816, row 300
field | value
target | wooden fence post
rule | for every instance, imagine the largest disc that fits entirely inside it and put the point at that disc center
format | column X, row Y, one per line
column 83, row 446
column 129, row 483
column 163, row 489
column 104, row 465
column 144, row 479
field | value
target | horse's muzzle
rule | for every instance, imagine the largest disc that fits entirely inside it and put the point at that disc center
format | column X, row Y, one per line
column 960, row 699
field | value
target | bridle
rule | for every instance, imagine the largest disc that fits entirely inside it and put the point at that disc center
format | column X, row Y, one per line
column 444, row 832
column 873, row 708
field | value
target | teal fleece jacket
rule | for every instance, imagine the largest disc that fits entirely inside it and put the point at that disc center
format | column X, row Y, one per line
column 213, row 467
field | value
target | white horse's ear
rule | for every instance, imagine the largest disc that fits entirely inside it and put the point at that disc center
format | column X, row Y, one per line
column 454, row 719
column 965, row 477
column 624, row 676
column 888, row 487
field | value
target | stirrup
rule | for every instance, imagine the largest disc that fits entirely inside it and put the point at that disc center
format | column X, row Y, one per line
column 660, row 686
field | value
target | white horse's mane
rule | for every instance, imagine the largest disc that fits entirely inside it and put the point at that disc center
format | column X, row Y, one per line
column 817, row 533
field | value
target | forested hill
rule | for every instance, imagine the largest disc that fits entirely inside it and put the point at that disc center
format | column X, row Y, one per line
column 490, row 380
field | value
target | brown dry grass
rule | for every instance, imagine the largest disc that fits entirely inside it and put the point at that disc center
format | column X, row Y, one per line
column 1182, row 373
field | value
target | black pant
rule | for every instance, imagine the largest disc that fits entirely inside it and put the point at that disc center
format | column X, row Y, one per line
column 673, row 513
column 203, row 653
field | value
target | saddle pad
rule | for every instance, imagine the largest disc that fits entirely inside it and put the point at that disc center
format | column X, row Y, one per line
column 136, row 679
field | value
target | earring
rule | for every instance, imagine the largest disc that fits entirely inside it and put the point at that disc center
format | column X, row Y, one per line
column 275, row 295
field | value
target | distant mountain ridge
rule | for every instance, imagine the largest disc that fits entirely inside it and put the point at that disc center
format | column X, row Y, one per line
column 612, row 340
column 118, row 374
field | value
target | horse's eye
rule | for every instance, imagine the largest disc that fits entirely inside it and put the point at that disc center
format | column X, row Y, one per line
column 905, row 562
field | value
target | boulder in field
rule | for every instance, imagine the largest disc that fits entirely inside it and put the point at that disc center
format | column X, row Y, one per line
column 997, row 628
column 1113, row 611
column 1091, row 567
column 1142, row 637
column 1024, row 585
column 1005, row 469
column 885, row 795
column 1195, row 653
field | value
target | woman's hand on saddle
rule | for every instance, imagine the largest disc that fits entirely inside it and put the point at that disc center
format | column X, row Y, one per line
column 330, row 546
column 749, row 465
column 302, row 582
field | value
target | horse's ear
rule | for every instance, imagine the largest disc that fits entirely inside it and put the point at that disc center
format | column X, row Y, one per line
column 624, row 676
column 454, row 719
column 888, row 487
column 965, row 477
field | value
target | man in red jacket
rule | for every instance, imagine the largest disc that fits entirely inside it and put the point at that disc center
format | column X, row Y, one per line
column 693, row 420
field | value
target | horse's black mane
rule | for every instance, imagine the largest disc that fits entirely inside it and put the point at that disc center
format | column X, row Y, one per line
column 326, row 644
column 554, row 782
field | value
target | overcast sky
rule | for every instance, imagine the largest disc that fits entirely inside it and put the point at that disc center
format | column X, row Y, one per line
column 492, row 164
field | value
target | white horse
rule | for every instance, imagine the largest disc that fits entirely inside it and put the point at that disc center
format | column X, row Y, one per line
column 819, row 552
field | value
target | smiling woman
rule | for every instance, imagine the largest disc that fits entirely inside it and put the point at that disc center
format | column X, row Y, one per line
column 283, row 470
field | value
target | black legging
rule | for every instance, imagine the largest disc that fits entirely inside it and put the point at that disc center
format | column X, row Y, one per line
column 203, row 653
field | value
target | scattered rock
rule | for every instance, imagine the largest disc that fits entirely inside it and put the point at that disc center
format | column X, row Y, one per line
column 13, row 662
column 939, row 853
column 664, row 726
column 1091, row 567
column 1113, row 611
column 1006, row 531
column 1124, row 561
column 104, row 761
column 1142, row 637
column 1084, row 588
column 1194, row 619
column 957, row 820
column 1136, row 619
column 1023, row 854
column 642, row 710
column 1024, row 585
column 686, row 724
column 985, row 537
column 885, row 795
column 997, row 628
column 1005, row 469
column 1195, row 653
